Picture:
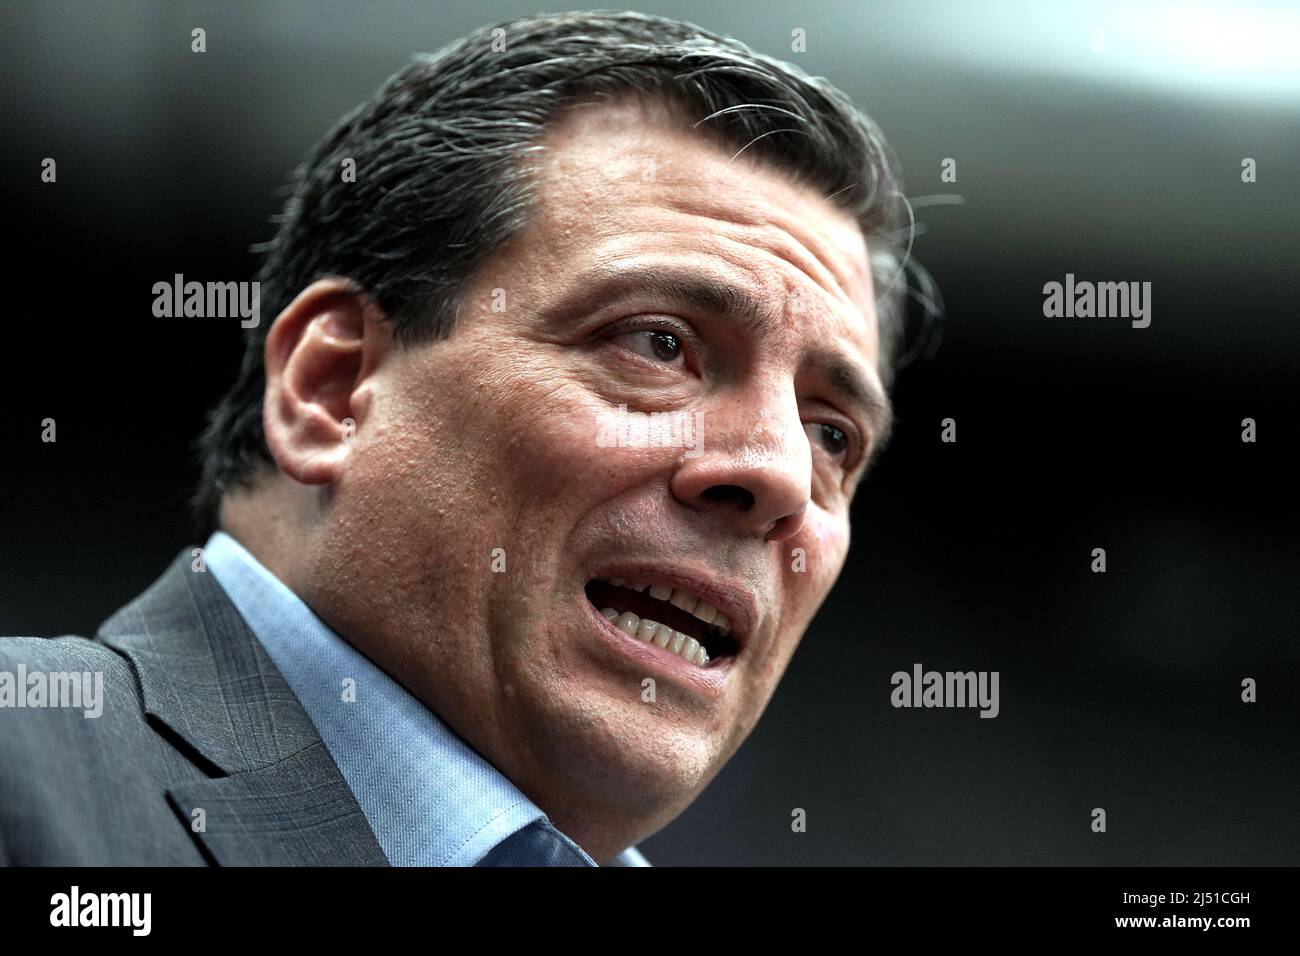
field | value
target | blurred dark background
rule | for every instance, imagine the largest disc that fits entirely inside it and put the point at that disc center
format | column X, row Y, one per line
column 1100, row 139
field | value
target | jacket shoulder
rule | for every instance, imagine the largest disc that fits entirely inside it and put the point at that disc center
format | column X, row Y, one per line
column 82, row 770
column 69, row 652
column 64, row 697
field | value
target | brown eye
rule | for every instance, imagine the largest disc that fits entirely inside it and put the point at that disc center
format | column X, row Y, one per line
column 665, row 345
column 834, row 440
column 653, row 344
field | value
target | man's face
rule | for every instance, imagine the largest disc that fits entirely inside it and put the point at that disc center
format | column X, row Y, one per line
column 490, row 500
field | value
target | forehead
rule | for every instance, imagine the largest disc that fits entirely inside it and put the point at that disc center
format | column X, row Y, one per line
column 627, row 180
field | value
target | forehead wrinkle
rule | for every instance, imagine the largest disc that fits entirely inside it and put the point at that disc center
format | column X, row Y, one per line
column 768, row 230
column 774, row 202
column 833, row 306
column 752, row 235
column 752, row 195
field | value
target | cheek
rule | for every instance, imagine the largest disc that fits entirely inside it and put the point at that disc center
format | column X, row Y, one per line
column 552, row 457
column 500, row 419
column 528, row 435
column 825, row 540
column 567, row 445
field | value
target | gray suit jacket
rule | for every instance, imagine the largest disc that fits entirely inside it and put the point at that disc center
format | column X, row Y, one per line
column 195, row 718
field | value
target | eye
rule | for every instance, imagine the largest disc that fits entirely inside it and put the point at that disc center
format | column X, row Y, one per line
column 834, row 440
column 653, row 344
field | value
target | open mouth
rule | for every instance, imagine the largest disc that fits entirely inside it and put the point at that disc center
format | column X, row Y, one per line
column 673, row 619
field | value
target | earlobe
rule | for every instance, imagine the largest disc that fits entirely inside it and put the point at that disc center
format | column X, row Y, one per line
column 317, row 351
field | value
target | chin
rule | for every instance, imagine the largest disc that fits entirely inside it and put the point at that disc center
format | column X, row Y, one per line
column 622, row 753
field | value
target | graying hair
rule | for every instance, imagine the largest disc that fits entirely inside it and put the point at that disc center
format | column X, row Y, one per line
column 444, row 179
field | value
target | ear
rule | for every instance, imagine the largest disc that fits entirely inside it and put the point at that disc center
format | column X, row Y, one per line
column 321, row 352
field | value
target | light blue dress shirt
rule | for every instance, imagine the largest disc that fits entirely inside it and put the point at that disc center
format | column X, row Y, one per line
column 429, row 797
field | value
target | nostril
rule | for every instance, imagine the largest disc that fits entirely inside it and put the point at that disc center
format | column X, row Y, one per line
column 786, row 527
column 730, row 494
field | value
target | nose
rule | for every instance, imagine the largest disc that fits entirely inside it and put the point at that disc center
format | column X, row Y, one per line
column 754, row 470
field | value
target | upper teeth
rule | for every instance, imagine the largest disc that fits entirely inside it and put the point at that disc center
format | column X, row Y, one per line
column 688, row 602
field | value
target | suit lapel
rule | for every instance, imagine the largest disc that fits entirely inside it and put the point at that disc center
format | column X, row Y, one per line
column 275, row 796
column 295, row 812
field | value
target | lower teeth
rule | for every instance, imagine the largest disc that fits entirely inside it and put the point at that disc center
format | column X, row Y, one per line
column 661, row 635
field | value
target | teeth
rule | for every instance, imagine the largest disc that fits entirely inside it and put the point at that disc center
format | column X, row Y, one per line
column 680, row 597
column 661, row 635
column 684, row 600
column 705, row 612
column 652, row 632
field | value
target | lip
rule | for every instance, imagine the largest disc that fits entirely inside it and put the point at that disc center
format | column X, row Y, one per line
column 658, row 663
column 737, row 603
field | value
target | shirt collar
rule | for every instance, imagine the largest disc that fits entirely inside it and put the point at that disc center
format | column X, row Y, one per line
column 429, row 797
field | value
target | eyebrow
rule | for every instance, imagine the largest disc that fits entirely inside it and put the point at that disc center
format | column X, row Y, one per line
column 860, row 391
column 699, row 292
column 708, row 295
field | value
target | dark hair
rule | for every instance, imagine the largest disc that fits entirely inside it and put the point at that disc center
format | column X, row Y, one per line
column 442, row 156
